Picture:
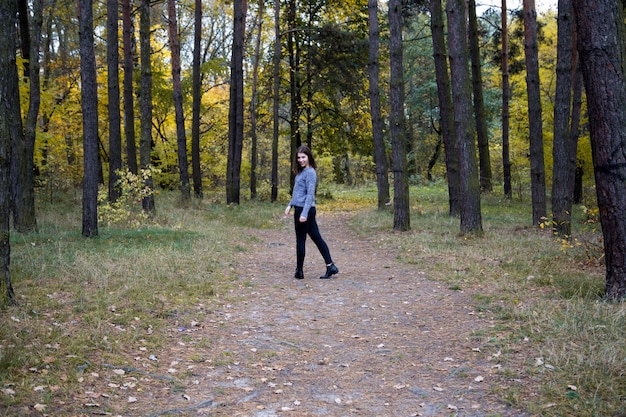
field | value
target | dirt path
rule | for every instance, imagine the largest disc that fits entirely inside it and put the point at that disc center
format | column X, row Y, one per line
column 379, row 339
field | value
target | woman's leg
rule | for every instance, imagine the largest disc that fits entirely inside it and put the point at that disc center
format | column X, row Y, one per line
column 301, row 231
column 316, row 237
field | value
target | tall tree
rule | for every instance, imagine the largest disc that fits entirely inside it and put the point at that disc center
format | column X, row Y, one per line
column 602, row 51
column 380, row 154
column 197, row 97
column 115, row 123
column 295, row 98
column 276, row 102
column 235, row 113
column 255, row 98
column 181, row 136
column 564, row 149
column 8, row 91
column 129, row 98
column 479, row 101
column 446, row 112
column 506, row 159
column 145, row 105
column 471, row 221
column 22, row 164
column 24, row 218
column 535, row 130
column 89, row 100
column 401, row 209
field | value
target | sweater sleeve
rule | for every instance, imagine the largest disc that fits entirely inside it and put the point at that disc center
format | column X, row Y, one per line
column 310, row 182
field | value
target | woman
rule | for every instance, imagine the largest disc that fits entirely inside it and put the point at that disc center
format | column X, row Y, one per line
column 303, row 201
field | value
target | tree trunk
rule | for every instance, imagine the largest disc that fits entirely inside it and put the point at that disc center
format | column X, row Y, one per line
column 564, row 150
column 115, row 129
column 197, row 97
column 471, row 221
column 26, row 220
column 506, row 160
column 254, row 100
column 145, row 105
column 401, row 209
column 537, row 168
column 380, row 154
column 600, row 31
column 479, row 102
column 8, row 87
column 276, row 102
column 22, row 195
column 235, row 115
column 294, row 75
column 129, row 99
column 177, row 88
column 446, row 112
column 89, row 101
column 577, row 102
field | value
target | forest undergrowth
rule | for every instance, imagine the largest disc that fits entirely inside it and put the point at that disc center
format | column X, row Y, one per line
column 84, row 301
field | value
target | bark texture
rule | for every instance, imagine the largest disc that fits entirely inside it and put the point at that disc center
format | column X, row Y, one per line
column 471, row 220
column 601, row 48
column 401, row 211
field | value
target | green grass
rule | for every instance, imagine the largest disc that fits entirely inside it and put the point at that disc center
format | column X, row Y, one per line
column 82, row 302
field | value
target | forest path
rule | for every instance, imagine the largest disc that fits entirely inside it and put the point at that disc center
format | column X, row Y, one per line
column 378, row 339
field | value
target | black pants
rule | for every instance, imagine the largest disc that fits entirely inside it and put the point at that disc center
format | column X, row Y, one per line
column 308, row 228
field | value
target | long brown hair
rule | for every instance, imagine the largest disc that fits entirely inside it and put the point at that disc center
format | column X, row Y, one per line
column 305, row 150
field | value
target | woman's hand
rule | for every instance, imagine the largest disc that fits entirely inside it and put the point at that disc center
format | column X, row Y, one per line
column 302, row 219
column 287, row 210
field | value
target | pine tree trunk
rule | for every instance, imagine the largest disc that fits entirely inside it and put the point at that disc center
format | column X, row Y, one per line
column 601, row 47
column 401, row 209
column 254, row 101
column 446, row 112
column 129, row 99
column 563, row 150
column 115, row 129
column 235, row 115
column 471, row 221
column 197, row 97
column 276, row 102
column 24, row 218
column 537, row 167
column 506, row 160
column 145, row 105
column 177, row 88
column 479, row 102
column 8, row 87
column 380, row 155
column 89, row 101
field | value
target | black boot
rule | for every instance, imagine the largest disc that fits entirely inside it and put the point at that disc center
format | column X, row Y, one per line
column 299, row 274
column 330, row 271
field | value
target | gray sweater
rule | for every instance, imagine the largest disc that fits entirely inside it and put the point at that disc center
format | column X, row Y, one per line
column 303, row 194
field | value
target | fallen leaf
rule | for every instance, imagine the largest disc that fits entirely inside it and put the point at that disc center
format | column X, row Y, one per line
column 40, row 407
column 479, row 378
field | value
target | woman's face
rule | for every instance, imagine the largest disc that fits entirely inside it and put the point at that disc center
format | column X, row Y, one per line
column 303, row 159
